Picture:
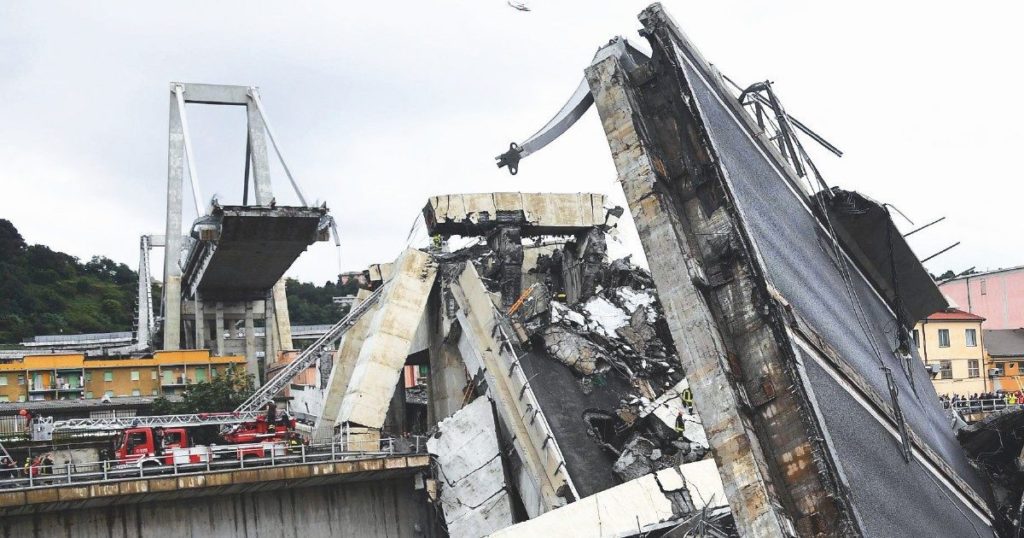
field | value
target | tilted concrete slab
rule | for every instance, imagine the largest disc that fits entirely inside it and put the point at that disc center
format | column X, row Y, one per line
column 632, row 508
column 535, row 213
column 484, row 349
column 242, row 251
column 344, row 363
column 474, row 495
column 786, row 344
column 389, row 338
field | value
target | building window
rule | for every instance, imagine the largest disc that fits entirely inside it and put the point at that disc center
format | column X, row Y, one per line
column 135, row 375
column 917, row 338
column 213, row 371
column 973, row 370
column 946, row 369
column 21, row 379
column 3, row 380
column 943, row 337
column 88, row 395
column 108, row 376
column 88, row 377
column 200, row 374
column 21, row 397
column 984, row 288
column 136, row 392
column 971, row 337
column 4, row 398
column 152, row 374
column 155, row 392
column 109, row 394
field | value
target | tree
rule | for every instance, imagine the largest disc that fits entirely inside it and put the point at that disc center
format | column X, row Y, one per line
column 218, row 395
column 11, row 242
column 43, row 291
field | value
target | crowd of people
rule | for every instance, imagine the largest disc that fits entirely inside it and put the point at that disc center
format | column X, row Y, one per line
column 986, row 401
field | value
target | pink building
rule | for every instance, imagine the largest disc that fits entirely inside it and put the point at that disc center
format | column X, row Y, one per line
column 997, row 296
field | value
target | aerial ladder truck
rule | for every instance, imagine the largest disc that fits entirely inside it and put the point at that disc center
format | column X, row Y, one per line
column 246, row 432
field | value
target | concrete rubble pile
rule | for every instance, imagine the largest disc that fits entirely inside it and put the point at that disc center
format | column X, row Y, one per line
column 995, row 446
column 591, row 337
column 758, row 380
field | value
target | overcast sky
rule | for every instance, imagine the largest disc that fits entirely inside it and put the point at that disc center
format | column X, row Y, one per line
column 379, row 105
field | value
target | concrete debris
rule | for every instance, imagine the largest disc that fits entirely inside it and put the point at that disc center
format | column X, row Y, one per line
column 995, row 446
column 474, row 495
column 416, row 395
column 574, row 350
column 649, row 503
column 534, row 213
column 604, row 317
column 601, row 323
column 636, row 459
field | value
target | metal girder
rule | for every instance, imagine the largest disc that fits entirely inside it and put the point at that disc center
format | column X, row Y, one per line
column 573, row 109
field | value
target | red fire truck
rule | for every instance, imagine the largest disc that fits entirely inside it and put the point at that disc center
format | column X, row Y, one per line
column 155, row 445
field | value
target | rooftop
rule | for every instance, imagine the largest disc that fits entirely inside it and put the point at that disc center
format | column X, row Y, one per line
column 984, row 273
column 1004, row 342
column 954, row 314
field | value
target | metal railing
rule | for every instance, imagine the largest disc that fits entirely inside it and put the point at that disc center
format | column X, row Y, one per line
column 979, row 405
column 276, row 454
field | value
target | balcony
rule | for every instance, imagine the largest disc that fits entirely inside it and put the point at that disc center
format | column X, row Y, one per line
column 65, row 388
column 177, row 381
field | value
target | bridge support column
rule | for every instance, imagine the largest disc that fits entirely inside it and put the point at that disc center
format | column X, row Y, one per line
column 219, row 327
column 251, row 362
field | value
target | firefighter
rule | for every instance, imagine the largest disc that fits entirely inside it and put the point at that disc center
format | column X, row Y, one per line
column 9, row 470
column 271, row 412
column 158, row 441
column 680, row 423
column 294, row 443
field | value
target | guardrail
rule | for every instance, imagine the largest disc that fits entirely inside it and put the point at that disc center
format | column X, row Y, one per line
column 980, row 405
column 113, row 470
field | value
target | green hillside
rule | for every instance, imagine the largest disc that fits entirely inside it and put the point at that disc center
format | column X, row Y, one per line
column 47, row 292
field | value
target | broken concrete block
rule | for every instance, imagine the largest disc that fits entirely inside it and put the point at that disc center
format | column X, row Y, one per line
column 474, row 495
column 635, row 460
column 573, row 350
column 536, row 214
column 637, row 507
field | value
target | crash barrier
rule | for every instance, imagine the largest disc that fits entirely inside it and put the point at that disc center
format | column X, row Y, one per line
column 214, row 458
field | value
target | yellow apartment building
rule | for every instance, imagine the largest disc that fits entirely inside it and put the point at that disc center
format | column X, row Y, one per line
column 73, row 376
column 951, row 342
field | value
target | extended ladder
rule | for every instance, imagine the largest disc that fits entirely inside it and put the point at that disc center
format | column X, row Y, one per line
column 43, row 427
column 305, row 359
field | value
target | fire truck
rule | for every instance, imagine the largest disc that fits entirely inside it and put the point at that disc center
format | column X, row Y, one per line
column 149, row 445
column 247, row 432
